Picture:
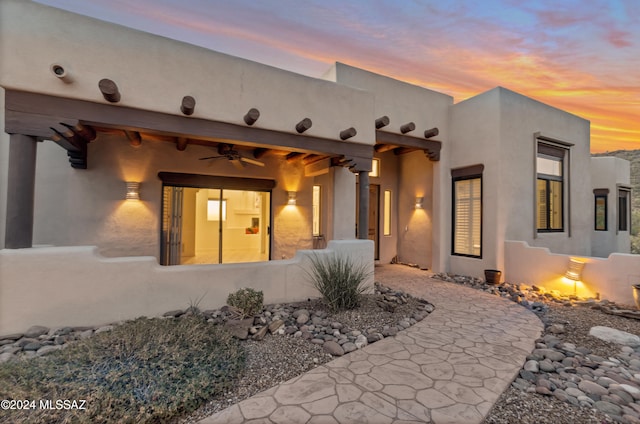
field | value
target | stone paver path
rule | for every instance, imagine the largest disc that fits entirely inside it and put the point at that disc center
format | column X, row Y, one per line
column 449, row 368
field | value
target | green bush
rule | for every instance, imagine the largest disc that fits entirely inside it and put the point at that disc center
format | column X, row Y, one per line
column 339, row 280
column 247, row 300
column 143, row 371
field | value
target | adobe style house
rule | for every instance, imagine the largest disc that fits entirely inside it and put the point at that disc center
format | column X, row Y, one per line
column 138, row 173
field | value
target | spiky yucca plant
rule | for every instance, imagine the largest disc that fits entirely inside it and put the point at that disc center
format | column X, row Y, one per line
column 339, row 280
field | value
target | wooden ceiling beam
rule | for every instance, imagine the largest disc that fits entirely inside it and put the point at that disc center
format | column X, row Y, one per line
column 259, row 152
column 134, row 138
column 181, row 143
column 293, row 156
column 381, row 148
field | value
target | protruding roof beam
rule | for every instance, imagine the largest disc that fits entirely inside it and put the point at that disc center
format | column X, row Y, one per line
column 348, row 133
column 381, row 122
column 251, row 116
column 303, row 125
column 188, row 105
column 408, row 127
column 431, row 133
column 109, row 90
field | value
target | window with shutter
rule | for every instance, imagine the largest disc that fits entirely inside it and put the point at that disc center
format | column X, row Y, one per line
column 467, row 211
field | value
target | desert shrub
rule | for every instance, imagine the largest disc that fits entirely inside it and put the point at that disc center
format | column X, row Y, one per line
column 339, row 280
column 247, row 300
column 143, row 371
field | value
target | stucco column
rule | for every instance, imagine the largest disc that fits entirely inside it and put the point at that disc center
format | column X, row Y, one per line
column 343, row 205
column 20, row 191
column 363, row 212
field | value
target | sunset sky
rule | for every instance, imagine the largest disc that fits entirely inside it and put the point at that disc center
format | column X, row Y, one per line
column 582, row 56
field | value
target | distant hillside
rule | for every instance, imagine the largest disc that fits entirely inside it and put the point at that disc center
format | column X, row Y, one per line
column 632, row 156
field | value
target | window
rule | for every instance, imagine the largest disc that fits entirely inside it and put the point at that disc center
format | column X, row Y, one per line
column 375, row 168
column 623, row 208
column 601, row 209
column 386, row 227
column 316, row 210
column 467, row 211
column 550, row 188
column 211, row 220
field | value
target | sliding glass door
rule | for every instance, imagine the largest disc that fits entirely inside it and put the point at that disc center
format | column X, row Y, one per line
column 215, row 225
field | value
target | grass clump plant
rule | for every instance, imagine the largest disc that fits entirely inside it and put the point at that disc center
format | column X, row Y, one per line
column 340, row 281
column 142, row 371
column 247, row 300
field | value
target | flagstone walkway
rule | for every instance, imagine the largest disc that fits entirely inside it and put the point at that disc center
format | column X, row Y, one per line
column 449, row 368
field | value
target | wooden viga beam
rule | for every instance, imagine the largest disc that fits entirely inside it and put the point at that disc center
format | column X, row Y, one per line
column 134, row 138
column 85, row 132
column 431, row 133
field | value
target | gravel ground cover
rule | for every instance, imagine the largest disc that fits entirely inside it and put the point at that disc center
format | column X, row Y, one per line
column 278, row 358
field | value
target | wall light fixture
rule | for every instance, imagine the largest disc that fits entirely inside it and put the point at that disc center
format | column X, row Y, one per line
column 419, row 202
column 291, row 195
column 133, row 190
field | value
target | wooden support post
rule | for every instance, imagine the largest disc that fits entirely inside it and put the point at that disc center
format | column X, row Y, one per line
column 188, row 105
column 431, row 133
column 20, row 191
column 251, row 116
column 303, row 125
column 381, row 122
column 109, row 90
column 348, row 133
column 408, row 127
column 363, row 209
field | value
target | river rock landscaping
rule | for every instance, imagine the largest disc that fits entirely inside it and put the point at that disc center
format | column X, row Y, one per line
column 573, row 375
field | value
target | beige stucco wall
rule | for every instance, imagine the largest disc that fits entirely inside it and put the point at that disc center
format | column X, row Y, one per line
column 93, row 290
column 497, row 129
column 154, row 73
column 475, row 139
column 609, row 172
column 609, row 278
column 418, row 233
column 88, row 207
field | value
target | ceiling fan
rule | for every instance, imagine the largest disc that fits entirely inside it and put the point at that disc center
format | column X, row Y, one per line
column 227, row 151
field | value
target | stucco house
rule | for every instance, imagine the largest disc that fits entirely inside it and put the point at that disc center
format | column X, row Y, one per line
column 138, row 173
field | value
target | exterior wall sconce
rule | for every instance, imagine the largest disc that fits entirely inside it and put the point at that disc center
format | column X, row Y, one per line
column 419, row 202
column 133, row 190
column 292, row 195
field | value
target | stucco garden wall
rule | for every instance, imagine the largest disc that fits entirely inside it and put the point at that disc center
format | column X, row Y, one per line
column 155, row 73
column 608, row 173
column 609, row 278
column 75, row 286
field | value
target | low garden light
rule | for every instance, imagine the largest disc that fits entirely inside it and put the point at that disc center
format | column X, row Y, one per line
column 574, row 273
